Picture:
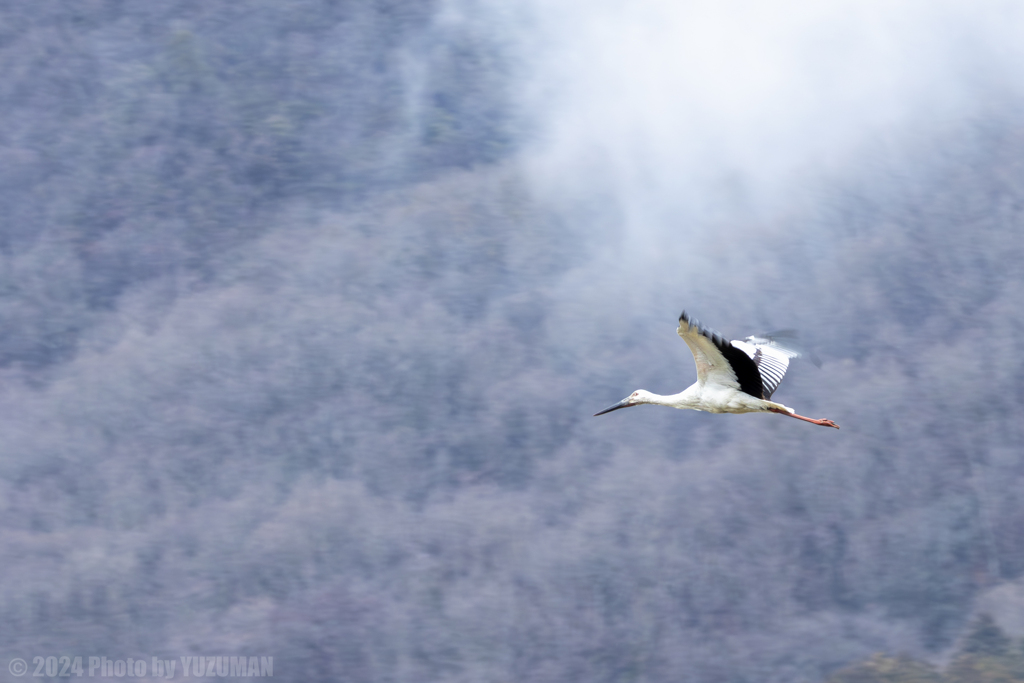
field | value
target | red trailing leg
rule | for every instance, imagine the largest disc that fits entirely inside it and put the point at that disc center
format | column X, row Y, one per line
column 823, row 423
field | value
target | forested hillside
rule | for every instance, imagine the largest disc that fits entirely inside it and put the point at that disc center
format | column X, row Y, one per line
column 986, row 655
column 305, row 310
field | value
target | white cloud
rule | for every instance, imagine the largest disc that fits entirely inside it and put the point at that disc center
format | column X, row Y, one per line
column 671, row 99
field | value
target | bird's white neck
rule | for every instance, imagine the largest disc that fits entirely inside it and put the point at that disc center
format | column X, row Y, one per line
column 687, row 399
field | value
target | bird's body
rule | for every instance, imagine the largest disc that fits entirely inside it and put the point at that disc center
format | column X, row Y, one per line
column 710, row 398
column 732, row 376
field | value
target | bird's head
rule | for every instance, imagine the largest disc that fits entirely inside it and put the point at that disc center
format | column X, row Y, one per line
column 636, row 398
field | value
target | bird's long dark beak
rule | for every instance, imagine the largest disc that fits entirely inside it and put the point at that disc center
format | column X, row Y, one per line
column 624, row 403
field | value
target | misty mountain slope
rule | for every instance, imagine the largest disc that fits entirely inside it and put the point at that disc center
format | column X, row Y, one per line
column 231, row 398
column 389, row 307
column 302, row 335
column 373, row 428
column 141, row 142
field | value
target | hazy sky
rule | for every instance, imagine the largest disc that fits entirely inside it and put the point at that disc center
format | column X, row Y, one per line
column 681, row 125
column 675, row 98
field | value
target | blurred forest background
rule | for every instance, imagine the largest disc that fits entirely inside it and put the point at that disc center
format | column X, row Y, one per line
column 305, row 308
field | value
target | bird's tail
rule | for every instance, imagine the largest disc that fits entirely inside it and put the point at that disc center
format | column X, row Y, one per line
column 771, row 405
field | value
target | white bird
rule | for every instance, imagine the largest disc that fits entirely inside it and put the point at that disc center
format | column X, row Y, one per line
column 732, row 377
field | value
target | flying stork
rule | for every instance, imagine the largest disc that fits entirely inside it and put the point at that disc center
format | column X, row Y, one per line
column 732, row 376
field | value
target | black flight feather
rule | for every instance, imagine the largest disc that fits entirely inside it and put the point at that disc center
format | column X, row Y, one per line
column 743, row 365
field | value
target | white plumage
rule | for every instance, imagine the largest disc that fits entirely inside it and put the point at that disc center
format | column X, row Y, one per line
column 732, row 376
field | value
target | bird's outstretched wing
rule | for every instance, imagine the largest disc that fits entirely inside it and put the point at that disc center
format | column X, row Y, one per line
column 718, row 360
column 771, row 353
